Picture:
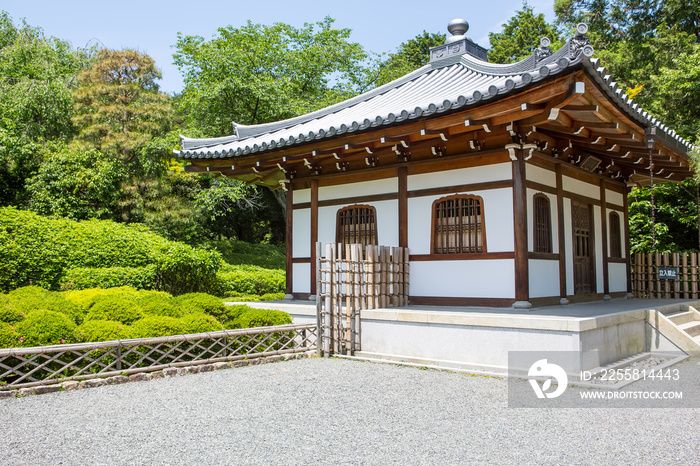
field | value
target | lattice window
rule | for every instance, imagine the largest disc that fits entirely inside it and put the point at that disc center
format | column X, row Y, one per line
column 357, row 224
column 542, row 224
column 458, row 225
column 615, row 236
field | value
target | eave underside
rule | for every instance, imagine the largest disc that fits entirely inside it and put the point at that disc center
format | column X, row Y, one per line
column 569, row 119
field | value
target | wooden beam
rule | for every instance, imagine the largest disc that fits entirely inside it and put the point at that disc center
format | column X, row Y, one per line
column 314, row 232
column 604, row 239
column 403, row 206
column 520, row 244
column 289, row 237
column 560, row 230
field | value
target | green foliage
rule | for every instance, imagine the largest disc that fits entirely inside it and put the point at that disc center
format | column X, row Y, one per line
column 79, row 278
column 521, row 36
column 85, row 299
column 234, row 252
column 257, row 73
column 159, row 303
column 45, row 328
column 251, row 279
column 157, row 326
column 200, row 323
column 8, row 336
column 409, row 56
column 102, row 330
column 201, row 303
column 115, row 308
column 27, row 299
column 41, row 251
column 76, row 183
column 237, row 297
column 263, row 318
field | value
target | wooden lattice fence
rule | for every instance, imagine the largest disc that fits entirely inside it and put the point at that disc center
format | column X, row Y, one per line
column 353, row 277
column 646, row 282
column 40, row 365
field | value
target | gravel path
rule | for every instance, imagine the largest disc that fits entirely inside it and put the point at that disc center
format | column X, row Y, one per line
column 320, row 411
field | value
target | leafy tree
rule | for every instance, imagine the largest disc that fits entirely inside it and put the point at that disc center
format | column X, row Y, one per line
column 521, row 36
column 36, row 76
column 77, row 183
column 410, row 56
column 119, row 109
column 258, row 74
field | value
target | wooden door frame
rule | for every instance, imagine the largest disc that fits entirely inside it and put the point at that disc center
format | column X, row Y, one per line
column 591, row 219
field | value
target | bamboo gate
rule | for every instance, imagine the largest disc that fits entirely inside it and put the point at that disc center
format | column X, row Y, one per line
column 646, row 282
column 349, row 279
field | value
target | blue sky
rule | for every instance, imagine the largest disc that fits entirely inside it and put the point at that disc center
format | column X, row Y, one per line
column 152, row 26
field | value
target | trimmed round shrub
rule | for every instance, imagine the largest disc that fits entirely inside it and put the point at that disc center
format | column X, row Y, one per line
column 102, row 330
column 199, row 323
column 79, row 278
column 115, row 308
column 8, row 336
column 157, row 326
column 45, row 328
column 9, row 313
column 159, row 303
column 85, row 299
column 254, row 297
column 201, row 303
column 250, row 279
column 263, row 318
column 30, row 298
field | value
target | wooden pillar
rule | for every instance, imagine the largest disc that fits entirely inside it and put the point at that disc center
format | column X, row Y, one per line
column 627, row 240
column 560, row 230
column 604, row 239
column 403, row 207
column 314, row 232
column 289, row 237
column 520, row 245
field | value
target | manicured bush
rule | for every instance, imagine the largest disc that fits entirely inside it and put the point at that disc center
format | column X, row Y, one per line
column 102, row 330
column 201, row 303
column 263, row 318
column 238, row 298
column 27, row 299
column 8, row 313
column 42, row 327
column 8, row 336
column 200, row 323
column 251, row 280
column 159, row 303
column 80, row 278
column 157, row 326
column 38, row 250
column 115, row 308
column 85, row 299
column 236, row 252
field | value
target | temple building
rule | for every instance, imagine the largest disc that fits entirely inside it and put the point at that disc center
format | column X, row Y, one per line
column 508, row 183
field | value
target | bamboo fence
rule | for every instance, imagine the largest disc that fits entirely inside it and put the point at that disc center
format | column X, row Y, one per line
column 41, row 365
column 646, row 282
column 350, row 278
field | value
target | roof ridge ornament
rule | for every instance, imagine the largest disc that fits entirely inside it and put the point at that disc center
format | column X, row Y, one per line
column 457, row 27
column 580, row 43
column 458, row 43
column 543, row 51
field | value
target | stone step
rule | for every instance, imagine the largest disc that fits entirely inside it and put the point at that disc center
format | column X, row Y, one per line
column 680, row 318
column 691, row 328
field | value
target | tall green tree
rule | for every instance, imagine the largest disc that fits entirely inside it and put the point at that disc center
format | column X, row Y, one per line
column 120, row 110
column 37, row 74
column 409, row 56
column 257, row 73
column 521, row 36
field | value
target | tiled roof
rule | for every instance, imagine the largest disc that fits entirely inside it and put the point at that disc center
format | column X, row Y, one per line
column 452, row 83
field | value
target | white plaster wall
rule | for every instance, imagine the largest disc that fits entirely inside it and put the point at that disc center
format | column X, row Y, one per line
column 468, row 279
column 496, row 172
column 540, row 175
column 301, row 233
column 614, row 197
column 531, row 221
column 544, row 278
column 301, row 278
column 568, row 244
column 580, row 187
column 362, row 188
column 617, row 274
column 387, row 222
column 299, row 196
column 498, row 217
column 598, row 243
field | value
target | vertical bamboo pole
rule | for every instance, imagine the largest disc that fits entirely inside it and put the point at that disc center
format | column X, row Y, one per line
column 328, row 330
column 395, row 277
column 694, row 274
column 650, row 276
column 382, row 277
column 407, row 275
column 666, row 283
column 321, row 297
column 677, row 282
column 684, row 262
column 657, row 263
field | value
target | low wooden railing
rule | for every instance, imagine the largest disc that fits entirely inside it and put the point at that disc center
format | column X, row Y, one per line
column 41, row 365
column 646, row 282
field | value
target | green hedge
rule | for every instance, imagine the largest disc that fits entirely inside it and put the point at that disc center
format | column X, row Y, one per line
column 41, row 251
column 269, row 256
column 250, row 280
column 102, row 330
column 80, row 278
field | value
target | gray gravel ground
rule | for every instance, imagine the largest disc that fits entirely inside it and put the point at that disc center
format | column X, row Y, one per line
column 331, row 411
